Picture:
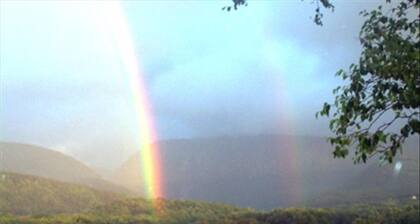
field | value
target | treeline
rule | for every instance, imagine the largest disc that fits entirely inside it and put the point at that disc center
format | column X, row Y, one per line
column 33, row 200
column 130, row 211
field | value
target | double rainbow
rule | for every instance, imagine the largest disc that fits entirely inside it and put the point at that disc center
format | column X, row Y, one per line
column 118, row 28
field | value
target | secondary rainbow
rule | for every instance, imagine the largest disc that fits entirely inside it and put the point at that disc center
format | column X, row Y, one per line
column 118, row 29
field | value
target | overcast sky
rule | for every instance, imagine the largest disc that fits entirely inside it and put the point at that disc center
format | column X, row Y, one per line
column 266, row 68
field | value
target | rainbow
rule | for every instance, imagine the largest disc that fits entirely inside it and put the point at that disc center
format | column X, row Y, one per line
column 117, row 26
column 290, row 158
column 118, row 29
column 289, row 153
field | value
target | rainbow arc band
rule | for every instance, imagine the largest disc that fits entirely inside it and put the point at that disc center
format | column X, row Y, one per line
column 121, row 37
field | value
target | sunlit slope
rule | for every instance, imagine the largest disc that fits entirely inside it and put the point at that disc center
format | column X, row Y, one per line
column 37, row 161
column 266, row 171
column 25, row 195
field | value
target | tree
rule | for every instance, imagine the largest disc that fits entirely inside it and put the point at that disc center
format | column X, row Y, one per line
column 382, row 90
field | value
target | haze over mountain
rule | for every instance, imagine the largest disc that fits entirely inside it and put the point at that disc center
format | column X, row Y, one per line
column 208, row 112
column 273, row 171
column 264, row 172
column 42, row 162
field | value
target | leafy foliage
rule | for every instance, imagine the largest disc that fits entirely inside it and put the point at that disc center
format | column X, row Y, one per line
column 383, row 89
column 236, row 4
column 385, row 83
column 318, row 13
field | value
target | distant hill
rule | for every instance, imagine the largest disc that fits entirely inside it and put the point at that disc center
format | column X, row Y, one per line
column 42, row 162
column 269, row 171
column 24, row 194
column 375, row 184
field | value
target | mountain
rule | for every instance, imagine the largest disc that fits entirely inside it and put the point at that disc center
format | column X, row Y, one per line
column 376, row 183
column 42, row 162
column 269, row 171
column 24, row 194
column 28, row 199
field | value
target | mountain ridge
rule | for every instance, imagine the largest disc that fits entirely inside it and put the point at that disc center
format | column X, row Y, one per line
column 39, row 161
column 255, row 171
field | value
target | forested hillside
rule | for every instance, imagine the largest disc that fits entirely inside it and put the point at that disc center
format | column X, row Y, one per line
column 27, row 195
column 27, row 199
column 262, row 172
column 132, row 211
column 42, row 162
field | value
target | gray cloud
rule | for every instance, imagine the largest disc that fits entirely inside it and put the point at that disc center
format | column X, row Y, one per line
column 265, row 68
